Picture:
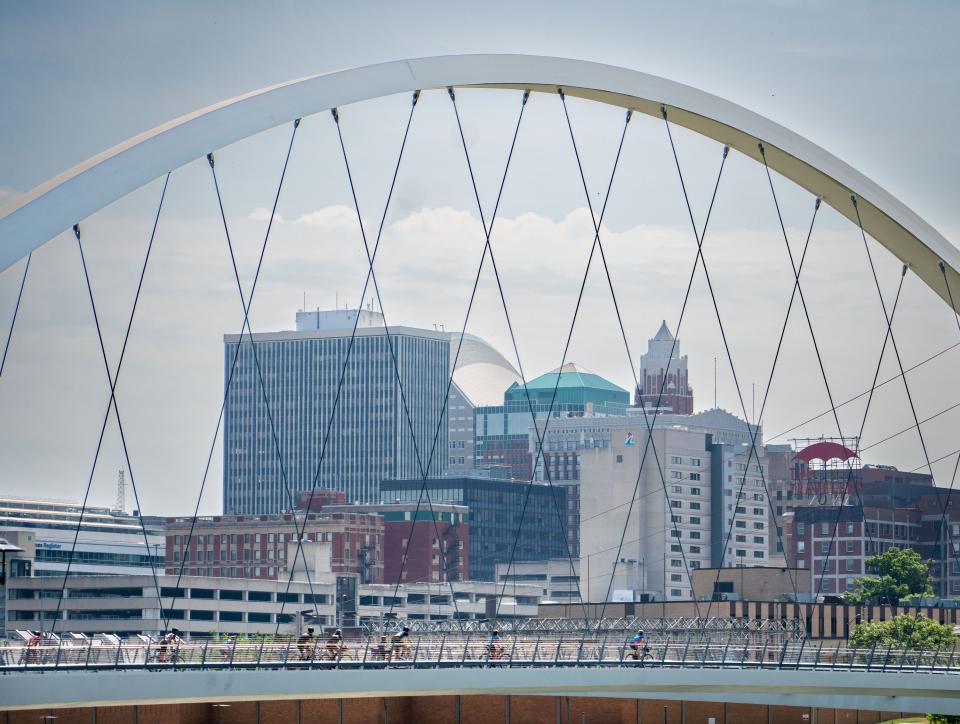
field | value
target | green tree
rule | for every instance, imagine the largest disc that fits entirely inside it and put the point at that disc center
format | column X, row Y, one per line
column 898, row 573
column 904, row 631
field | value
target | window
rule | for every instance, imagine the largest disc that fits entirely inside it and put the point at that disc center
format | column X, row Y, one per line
column 694, row 520
column 677, row 489
column 758, row 497
column 259, row 596
column 676, row 577
column 675, row 592
column 694, row 564
column 228, row 595
column 676, row 504
column 695, row 462
column 848, row 564
column 759, row 539
column 674, row 460
column 741, row 539
column 674, row 563
column 824, row 529
column 758, row 511
column 674, row 548
column 694, row 549
column 801, row 546
column 694, row 505
column 695, row 535
column 694, row 476
column 741, row 524
column 758, row 526
column 758, row 554
column 849, row 546
column 741, row 553
column 741, row 509
column 801, row 528
column 695, row 491
column 676, row 474
column 619, row 458
column 825, row 547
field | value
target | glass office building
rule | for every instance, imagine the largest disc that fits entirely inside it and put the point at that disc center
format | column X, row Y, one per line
column 494, row 520
column 369, row 438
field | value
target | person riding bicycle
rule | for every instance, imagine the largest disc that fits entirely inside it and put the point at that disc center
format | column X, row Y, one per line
column 335, row 644
column 381, row 650
column 171, row 639
column 33, row 644
column 494, row 645
column 638, row 646
column 305, row 644
column 401, row 646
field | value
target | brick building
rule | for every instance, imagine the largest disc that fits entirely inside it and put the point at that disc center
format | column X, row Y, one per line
column 439, row 540
column 257, row 546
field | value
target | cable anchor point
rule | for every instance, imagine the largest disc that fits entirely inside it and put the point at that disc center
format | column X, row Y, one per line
column 76, row 232
column 629, row 115
column 816, row 204
column 943, row 267
column 853, row 199
column 416, row 97
column 526, row 97
column 563, row 96
column 450, row 93
column 296, row 122
column 663, row 111
column 210, row 159
column 726, row 150
column 906, row 267
column 336, row 115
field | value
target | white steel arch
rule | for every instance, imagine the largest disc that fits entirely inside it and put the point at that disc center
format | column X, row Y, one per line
column 55, row 205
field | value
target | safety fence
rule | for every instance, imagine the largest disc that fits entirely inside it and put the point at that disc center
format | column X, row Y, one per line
column 451, row 651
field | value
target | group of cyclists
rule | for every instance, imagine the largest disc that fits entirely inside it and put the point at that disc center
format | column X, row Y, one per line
column 396, row 647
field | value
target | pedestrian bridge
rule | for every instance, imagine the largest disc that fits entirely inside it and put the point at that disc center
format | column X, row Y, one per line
column 792, row 674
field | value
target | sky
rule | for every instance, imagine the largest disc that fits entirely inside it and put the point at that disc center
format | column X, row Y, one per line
column 875, row 83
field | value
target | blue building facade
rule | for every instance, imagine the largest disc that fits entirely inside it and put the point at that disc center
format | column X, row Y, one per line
column 369, row 439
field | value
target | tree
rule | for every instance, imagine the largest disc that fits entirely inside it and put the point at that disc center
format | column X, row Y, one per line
column 900, row 573
column 904, row 631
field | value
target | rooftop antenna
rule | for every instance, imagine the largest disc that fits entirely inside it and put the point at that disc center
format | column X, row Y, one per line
column 120, row 503
column 304, row 307
column 714, row 381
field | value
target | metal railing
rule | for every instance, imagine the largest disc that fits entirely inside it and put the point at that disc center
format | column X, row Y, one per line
column 462, row 651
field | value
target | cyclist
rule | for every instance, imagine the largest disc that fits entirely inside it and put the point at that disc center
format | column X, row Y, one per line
column 494, row 645
column 171, row 639
column 401, row 645
column 381, row 650
column 335, row 644
column 638, row 645
column 33, row 646
column 305, row 644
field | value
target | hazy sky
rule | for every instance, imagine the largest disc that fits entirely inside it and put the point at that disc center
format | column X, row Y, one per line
column 875, row 83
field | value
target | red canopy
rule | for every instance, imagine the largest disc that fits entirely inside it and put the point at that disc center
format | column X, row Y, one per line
column 825, row 451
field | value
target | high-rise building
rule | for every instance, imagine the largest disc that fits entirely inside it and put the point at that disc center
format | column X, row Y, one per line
column 698, row 503
column 369, row 438
column 664, row 361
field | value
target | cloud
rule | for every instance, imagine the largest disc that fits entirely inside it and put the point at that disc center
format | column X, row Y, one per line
column 337, row 216
column 263, row 214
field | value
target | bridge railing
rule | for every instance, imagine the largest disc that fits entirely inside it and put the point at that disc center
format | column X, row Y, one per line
column 471, row 650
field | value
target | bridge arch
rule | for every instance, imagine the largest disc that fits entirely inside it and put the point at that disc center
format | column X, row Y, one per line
column 55, row 205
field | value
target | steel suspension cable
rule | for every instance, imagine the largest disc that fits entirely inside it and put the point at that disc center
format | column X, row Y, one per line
column 540, row 454
column 856, row 397
column 752, row 431
column 300, row 530
column 111, row 406
column 513, row 340
column 246, row 327
column 453, row 366
column 424, row 470
column 233, row 364
column 649, row 443
column 16, row 309
column 951, row 546
column 799, row 291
